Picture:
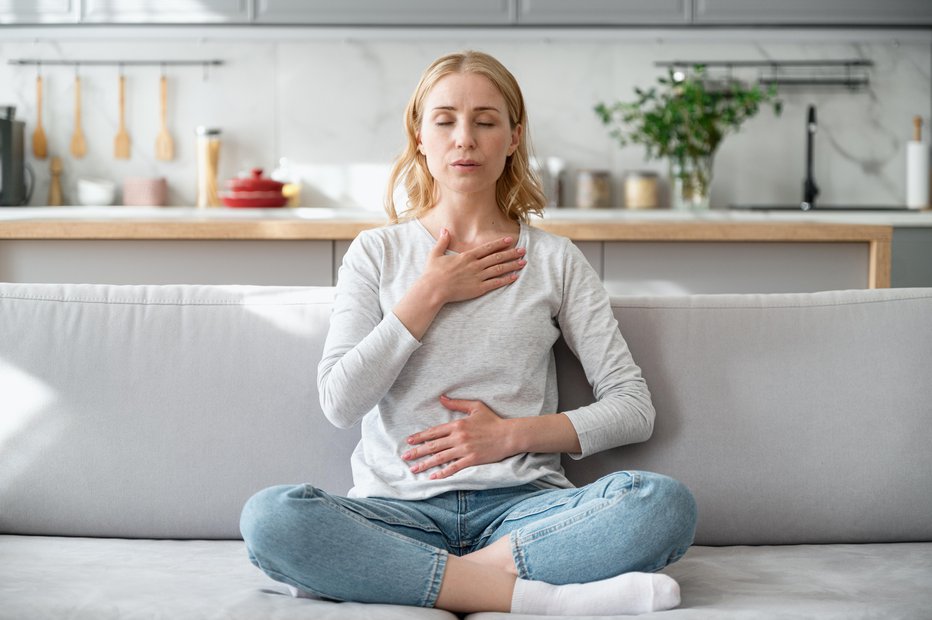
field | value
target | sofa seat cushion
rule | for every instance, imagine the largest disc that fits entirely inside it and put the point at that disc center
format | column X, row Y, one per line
column 97, row 579
column 104, row 578
column 828, row 582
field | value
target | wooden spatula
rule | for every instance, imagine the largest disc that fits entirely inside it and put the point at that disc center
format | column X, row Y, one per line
column 78, row 146
column 39, row 147
column 164, row 147
column 121, row 143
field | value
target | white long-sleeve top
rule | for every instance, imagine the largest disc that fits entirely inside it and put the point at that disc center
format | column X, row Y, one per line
column 496, row 348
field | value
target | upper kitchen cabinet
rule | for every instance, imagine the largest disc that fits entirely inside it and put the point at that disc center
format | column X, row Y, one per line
column 813, row 12
column 165, row 11
column 384, row 13
column 604, row 12
column 39, row 11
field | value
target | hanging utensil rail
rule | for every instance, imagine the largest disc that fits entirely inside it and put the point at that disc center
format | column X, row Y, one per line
column 114, row 63
column 851, row 73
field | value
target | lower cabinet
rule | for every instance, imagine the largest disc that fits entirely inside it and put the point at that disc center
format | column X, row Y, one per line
column 676, row 268
column 284, row 263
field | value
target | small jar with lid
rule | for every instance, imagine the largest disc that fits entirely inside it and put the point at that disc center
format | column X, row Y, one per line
column 640, row 189
column 208, row 160
column 593, row 189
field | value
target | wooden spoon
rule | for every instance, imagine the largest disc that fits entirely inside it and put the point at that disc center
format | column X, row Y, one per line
column 121, row 143
column 164, row 147
column 78, row 145
column 39, row 146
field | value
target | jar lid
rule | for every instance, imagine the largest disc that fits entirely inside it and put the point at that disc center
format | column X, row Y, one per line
column 635, row 174
column 206, row 131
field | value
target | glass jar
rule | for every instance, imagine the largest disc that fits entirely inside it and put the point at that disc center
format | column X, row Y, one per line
column 640, row 190
column 208, row 158
column 593, row 189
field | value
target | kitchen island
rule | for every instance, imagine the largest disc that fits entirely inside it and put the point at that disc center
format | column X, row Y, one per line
column 634, row 252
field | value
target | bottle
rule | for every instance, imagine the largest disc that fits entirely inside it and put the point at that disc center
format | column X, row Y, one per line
column 917, row 169
column 555, row 169
column 208, row 159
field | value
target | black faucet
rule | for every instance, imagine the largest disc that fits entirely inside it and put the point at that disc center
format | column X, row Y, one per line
column 810, row 189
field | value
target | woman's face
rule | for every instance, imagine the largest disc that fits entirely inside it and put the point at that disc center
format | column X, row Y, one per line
column 465, row 134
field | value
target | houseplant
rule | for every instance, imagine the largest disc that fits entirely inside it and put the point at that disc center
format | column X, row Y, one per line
column 683, row 120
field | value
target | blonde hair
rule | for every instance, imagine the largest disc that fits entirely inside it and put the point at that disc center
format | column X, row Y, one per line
column 518, row 190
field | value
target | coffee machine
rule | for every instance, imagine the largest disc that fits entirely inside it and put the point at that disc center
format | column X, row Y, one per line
column 13, row 169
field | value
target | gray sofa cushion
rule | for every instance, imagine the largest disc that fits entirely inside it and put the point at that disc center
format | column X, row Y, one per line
column 104, row 579
column 111, row 579
column 793, row 418
column 143, row 411
column 796, row 582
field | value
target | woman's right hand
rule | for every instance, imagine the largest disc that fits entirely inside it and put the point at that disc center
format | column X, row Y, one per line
column 457, row 277
column 471, row 274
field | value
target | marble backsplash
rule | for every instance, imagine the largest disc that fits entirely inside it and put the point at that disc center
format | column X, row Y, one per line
column 333, row 107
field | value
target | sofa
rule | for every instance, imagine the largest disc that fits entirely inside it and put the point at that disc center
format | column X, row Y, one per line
column 135, row 421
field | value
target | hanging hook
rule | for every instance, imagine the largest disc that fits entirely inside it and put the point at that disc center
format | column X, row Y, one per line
column 204, row 77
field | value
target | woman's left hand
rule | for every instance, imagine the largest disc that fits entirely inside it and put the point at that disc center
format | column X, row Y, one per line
column 481, row 437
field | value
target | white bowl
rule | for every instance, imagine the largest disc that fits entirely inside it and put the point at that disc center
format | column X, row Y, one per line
column 96, row 192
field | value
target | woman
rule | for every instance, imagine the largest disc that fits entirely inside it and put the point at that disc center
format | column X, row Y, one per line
column 440, row 344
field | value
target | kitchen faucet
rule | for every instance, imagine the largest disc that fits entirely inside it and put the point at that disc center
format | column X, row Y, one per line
column 810, row 189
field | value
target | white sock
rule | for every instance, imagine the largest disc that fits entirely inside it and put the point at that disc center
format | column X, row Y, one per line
column 295, row 592
column 629, row 593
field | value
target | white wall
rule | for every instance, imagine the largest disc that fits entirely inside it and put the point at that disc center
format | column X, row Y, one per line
column 332, row 101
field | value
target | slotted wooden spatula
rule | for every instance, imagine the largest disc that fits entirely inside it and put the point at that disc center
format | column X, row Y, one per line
column 39, row 146
column 78, row 145
column 164, row 147
column 121, row 142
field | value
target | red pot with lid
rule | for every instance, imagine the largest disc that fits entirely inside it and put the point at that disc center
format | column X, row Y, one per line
column 253, row 191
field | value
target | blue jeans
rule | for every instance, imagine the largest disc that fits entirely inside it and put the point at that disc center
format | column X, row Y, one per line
column 374, row 550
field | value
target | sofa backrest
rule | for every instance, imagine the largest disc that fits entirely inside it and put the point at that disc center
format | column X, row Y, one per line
column 156, row 411
column 794, row 418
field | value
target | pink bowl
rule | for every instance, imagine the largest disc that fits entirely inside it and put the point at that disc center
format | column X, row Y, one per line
column 145, row 192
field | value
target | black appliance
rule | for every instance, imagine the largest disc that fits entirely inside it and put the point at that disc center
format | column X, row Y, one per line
column 13, row 169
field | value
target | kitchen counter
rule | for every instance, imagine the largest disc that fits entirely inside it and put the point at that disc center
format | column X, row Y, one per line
column 313, row 223
column 714, row 251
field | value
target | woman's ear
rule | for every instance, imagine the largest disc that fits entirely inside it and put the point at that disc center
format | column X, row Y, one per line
column 515, row 140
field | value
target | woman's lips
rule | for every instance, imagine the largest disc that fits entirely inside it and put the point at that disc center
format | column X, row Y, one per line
column 465, row 164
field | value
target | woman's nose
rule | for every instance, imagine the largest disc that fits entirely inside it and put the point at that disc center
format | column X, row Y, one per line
column 464, row 136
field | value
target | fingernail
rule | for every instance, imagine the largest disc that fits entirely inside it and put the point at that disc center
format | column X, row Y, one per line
column 443, row 232
column 522, row 262
column 507, row 239
column 521, row 251
column 414, row 469
column 406, row 455
column 434, row 476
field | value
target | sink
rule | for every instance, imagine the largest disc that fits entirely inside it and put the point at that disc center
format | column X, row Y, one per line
column 820, row 207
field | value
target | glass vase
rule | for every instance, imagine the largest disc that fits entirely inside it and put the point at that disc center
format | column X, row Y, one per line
column 690, row 182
